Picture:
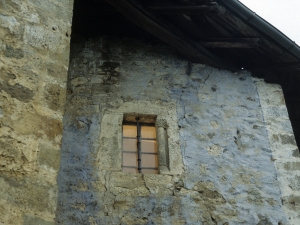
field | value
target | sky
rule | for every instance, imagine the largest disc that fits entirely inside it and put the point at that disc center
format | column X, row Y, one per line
column 282, row 14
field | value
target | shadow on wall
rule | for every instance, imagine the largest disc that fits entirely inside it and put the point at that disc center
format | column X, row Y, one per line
column 77, row 197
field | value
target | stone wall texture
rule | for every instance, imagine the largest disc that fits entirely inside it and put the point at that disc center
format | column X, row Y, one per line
column 285, row 152
column 34, row 57
column 240, row 161
column 235, row 160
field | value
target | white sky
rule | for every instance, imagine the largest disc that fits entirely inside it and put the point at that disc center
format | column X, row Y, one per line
column 282, row 14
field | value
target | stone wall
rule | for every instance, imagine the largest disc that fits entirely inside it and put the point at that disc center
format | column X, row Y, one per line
column 285, row 152
column 34, row 57
column 229, row 174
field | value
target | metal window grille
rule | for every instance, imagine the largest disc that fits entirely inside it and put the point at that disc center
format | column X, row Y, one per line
column 139, row 148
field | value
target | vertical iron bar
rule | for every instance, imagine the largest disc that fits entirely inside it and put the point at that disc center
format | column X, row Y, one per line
column 139, row 145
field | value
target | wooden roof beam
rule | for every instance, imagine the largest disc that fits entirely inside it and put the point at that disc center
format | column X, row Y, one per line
column 231, row 43
column 137, row 14
column 211, row 7
column 292, row 66
column 188, row 10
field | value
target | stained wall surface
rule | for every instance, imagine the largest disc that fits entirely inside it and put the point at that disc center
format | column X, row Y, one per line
column 223, row 129
column 34, row 57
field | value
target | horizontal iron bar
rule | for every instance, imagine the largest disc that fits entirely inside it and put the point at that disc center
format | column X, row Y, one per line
column 148, row 139
column 132, row 152
column 145, row 168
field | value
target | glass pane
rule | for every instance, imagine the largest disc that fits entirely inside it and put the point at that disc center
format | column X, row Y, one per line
column 149, row 146
column 129, row 131
column 148, row 132
column 129, row 170
column 129, row 145
column 130, row 159
column 147, row 171
column 149, row 160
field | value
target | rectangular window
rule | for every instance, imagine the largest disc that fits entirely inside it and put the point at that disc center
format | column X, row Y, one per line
column 139, row 149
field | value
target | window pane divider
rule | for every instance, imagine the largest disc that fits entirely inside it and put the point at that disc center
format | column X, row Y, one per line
column 135, row 167
column 149, row 153
column 135, row 152
column 139, row 146
column 145, row 168
column 151, row 139
column 132, row 152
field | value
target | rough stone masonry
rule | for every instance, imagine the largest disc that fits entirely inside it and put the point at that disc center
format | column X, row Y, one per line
column 233, row 158
column 34, row 58
column 237, row 150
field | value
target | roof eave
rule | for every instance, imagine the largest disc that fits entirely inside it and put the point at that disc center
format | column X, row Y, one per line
column 261, row 25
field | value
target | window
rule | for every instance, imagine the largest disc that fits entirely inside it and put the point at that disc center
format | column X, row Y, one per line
column 139, row 149
column 161, row 141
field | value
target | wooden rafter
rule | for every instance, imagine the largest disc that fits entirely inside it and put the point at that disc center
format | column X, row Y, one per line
column 188, row 10
column 187, row 26
column 292, row 66
column 165, row 9
column 136, row 13
column 231, row 43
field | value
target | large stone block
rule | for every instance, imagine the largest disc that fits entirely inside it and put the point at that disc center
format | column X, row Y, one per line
column 49, row 156
column 33, row 220
column 55, row 96
column 18, row 91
